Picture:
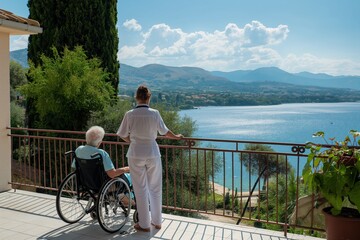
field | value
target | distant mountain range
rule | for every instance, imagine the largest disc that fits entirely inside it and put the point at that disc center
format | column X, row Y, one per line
column 20, row 56
column 273, row 74
column 162, row 77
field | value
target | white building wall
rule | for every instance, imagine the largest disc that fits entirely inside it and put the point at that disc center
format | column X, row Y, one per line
column 5, row 141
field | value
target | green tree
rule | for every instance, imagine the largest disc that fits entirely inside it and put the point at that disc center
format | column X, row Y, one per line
column 66, row 89
column 261, row 159
column 236, row 203
column 280, row 199
column 17, row 78
column 159, row 97
column 67, row 23
column 87, row 23
column 184, row 125
column 227, row 200
column 187, row 175
column 17, row 115
column 110, row 117
column 17, row 120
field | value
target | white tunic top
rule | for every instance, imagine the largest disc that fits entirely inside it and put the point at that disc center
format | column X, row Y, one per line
column 142, row 124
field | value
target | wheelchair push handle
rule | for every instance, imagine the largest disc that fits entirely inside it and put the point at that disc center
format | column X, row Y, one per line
column 94, row 155
column 69, row 152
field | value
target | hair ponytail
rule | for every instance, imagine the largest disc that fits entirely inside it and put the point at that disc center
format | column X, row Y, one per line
column 142, row 93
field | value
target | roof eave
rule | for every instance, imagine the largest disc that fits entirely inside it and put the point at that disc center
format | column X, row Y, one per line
column 16, row 28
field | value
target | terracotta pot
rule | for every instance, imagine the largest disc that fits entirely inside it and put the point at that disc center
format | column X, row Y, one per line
column 348, row 160
column 340, row 227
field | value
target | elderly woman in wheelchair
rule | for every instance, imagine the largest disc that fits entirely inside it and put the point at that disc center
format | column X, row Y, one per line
column 96, row 187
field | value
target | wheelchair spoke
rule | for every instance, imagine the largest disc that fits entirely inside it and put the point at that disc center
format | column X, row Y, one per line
column 114, row 205
column 70, row 207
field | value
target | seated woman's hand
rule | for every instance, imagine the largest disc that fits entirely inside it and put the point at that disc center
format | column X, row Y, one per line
column 124, row 170
column 117, row 172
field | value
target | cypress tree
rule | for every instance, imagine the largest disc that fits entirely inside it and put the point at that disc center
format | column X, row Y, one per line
column 70, row 23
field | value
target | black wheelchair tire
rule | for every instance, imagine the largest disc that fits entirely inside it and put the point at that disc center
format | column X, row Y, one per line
column 69, row 179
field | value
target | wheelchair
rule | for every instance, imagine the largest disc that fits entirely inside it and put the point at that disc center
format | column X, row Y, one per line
column 89, row 190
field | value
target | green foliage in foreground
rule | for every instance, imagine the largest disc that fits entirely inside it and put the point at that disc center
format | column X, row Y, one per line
column 66, row 89
column 279, row 203
column 334, row 172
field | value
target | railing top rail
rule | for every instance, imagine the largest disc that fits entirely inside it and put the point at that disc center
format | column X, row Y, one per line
column 246, row 141
column 188, row 139
column 46, row 130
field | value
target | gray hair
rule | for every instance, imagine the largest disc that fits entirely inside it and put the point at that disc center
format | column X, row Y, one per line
column 94, row 136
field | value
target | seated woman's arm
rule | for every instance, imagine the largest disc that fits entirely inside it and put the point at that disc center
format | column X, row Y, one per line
column 117, row 172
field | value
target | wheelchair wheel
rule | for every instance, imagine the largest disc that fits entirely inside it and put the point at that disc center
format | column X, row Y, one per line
column 114, row 205
column 136, row 217
column 69, row 206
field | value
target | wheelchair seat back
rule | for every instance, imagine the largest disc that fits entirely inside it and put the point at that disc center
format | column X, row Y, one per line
column 91, row 173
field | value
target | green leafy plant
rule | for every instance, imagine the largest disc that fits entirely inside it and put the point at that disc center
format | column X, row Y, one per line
column 66, row 88
column 332, row 171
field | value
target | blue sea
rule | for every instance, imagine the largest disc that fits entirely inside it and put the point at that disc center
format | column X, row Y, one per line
column 293, row 123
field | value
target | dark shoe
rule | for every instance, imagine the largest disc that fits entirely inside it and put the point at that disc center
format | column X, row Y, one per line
column 93, row 215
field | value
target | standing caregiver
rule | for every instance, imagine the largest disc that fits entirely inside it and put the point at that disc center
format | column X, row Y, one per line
column 140, row 128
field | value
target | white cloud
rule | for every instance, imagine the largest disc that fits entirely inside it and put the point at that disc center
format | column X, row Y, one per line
column 261, row 56
column 161, row 40
column 18, row 42
column 128, row 52
column 233, row 48
column 132, row 24
column 228, row 49
column 257, row 34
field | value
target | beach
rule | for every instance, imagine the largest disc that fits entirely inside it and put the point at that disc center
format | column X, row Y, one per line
column 220, row 189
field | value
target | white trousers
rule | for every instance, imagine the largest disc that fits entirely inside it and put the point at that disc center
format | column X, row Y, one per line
column 146, row 177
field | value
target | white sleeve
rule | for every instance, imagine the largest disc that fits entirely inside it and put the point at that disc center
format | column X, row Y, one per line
column 162, row 129
column 124, row 128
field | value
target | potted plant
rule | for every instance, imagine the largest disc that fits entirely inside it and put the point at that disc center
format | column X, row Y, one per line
column 332, row 171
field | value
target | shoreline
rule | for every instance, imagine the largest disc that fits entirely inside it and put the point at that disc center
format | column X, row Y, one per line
column 222, row 190
column 264, row 105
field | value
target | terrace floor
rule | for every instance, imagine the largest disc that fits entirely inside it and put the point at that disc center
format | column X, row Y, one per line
column 29, row 215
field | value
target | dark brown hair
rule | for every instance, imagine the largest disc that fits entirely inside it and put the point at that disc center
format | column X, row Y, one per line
column 142, row 93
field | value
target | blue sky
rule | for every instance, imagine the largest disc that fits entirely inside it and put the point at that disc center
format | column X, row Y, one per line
column 308, row 35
